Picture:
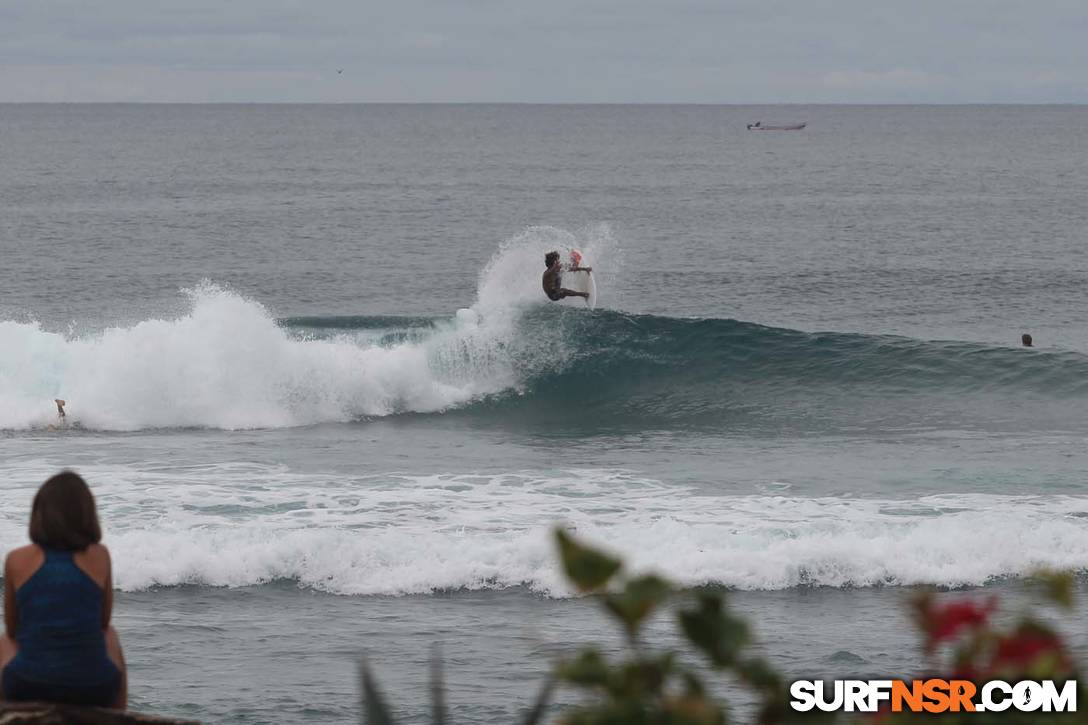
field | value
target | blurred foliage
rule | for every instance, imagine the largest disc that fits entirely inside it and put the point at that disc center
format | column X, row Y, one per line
column 648, row 686
column 979, row 649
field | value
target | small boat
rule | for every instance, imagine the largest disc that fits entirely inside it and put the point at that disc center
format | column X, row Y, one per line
column 758, row 126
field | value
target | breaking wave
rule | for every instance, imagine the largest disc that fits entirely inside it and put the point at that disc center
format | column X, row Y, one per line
column 229, row 363
column 249, row 524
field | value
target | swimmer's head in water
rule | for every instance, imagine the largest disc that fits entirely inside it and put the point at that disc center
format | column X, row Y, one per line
column 1026, row 339
column 550, row 258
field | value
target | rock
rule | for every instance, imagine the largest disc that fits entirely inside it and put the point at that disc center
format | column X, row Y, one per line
column 44, row 713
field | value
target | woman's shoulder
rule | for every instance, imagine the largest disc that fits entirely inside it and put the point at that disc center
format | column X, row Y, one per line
column 24, row 555
column 22, row 562
column 95, row 560
column 96, row 556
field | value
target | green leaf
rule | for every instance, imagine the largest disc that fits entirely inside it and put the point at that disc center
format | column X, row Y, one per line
column 1059, row 587
column 713, row 631
column 639, row 597
column 645, row 677
column 760, row 675
column 375, row 711
column 589, row 669
column 691, row 710
column 588, row 569
column 693, row 686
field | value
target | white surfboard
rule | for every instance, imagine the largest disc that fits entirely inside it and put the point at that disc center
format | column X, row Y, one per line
column 581, row 281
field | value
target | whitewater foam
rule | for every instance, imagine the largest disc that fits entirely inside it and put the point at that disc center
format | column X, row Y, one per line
column 247, row 524
column 226, row 363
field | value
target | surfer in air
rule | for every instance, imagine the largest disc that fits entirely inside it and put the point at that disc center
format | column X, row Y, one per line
column 553, row 278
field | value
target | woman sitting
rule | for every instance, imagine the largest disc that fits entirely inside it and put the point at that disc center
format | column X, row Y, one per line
column 58, row 596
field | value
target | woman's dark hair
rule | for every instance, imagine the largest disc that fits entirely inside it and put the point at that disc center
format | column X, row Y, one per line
column 550, row 257
column 63, row 515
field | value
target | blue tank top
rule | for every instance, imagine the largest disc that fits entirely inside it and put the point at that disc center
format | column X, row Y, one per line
column 60, row 625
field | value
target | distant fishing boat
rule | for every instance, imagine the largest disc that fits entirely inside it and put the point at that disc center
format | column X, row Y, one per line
column 758, row 126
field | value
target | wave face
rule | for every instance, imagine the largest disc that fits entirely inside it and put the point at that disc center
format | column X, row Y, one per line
column 228, row 363
column 716, row 372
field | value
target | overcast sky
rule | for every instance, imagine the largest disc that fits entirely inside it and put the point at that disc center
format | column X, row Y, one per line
column 608, row 51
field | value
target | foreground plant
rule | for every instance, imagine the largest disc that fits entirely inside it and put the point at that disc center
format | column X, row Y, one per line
column 650, row 686
column 644, row 685
column 980, row 650
column 659, row 686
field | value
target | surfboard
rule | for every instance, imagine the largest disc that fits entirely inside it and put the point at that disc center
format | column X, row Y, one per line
column 581, row 281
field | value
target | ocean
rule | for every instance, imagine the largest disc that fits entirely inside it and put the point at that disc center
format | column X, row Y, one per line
column 327, row 412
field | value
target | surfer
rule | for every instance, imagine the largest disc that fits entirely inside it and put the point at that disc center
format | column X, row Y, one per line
column 1025, row 340
column 553, row 277
column 61, row 416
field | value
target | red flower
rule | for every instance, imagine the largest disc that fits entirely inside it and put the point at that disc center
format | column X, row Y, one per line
column 1020, row 650
column 943, row 622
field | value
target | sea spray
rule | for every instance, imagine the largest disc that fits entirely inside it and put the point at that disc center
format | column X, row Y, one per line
column 224, row 364
column 511, row 280
column 514, row 359
column 227, row 363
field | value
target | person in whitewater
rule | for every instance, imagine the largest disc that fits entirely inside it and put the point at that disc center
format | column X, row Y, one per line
column 59, row 645
column 61, row 415
column 553, row 279
column 1025, row 340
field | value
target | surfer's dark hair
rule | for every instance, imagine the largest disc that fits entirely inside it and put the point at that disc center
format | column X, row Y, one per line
column 63, row 516
column 550, row 258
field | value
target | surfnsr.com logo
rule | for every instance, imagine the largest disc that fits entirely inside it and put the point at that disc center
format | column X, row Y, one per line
column 933, row 696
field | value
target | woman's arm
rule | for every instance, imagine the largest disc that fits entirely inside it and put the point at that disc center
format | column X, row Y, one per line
column 11, row 614
column 107, row 592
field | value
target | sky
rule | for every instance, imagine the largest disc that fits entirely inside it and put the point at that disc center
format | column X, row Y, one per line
column 548, row 51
